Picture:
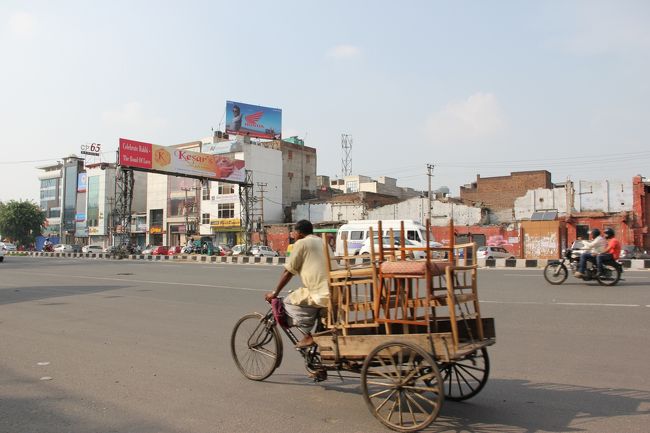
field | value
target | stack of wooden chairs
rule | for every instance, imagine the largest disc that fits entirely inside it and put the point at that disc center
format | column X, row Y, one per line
column 393, row 293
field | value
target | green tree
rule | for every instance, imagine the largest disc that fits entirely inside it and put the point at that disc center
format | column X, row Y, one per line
column 21, row 221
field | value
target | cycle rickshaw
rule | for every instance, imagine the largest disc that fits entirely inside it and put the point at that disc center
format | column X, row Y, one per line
column 411, row 328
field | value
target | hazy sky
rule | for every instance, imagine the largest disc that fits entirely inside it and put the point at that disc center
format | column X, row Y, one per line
column 474, row 87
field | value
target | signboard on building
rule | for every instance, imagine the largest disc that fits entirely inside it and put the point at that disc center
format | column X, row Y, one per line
column 222, row 147
column 82, row 182
column 155, row 230
column 226, row 222
column 253, row 120
column 91, row 149
column 179, row 162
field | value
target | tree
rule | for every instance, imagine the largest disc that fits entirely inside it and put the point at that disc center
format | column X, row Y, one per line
column 21, row 221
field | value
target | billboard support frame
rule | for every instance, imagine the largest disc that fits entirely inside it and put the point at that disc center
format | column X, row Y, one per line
column 246, row 204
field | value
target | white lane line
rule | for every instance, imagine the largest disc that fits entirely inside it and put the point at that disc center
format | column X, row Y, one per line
column 590, row 304
column 522, row 275
column 169, row 283
column 513, row 302
column 573, row 304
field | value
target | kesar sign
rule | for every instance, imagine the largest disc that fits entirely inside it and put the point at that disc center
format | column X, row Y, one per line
column 160, row 159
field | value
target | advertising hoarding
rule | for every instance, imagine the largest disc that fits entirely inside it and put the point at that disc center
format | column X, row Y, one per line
column 253, row 120
column 179, row 162
column 82, row 182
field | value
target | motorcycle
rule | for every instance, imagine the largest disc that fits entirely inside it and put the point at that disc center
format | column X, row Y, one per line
column 48, row 248
column 556, row 271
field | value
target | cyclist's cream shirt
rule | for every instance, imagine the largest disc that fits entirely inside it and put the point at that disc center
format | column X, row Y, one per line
column 308, row 260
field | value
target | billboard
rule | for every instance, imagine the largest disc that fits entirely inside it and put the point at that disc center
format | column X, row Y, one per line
column 253, row 120
column 82, row 182
column 180, row 162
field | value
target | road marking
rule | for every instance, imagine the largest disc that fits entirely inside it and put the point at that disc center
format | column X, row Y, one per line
column 590, row 304
column 169, row 283
column 522, row 275
column 573, row 304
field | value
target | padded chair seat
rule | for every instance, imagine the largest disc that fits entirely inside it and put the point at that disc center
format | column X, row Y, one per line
column 413, row 267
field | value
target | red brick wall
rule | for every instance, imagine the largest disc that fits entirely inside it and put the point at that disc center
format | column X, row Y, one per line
column 491, row 233
column 500, row 192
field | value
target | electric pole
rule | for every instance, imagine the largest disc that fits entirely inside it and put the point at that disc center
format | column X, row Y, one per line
column 429, row 174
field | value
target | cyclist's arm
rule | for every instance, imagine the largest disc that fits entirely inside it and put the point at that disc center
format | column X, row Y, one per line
column 284, row 279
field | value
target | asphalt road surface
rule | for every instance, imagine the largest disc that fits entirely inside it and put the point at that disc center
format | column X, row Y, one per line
column 134, row 347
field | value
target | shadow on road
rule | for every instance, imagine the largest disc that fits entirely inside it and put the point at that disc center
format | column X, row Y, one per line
column 28, row 404
column 515, row 406
column 12, row 295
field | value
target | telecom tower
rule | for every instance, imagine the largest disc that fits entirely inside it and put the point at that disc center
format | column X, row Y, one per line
column 346, row 161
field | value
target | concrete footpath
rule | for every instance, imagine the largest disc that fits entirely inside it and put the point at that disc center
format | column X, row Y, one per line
column 196, row 258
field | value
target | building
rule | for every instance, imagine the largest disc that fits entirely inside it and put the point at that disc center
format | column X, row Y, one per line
column 383, row 185
column 500, row 192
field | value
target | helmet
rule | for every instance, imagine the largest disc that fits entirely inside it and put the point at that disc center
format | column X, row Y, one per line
column 595, row 233
column 609, row 232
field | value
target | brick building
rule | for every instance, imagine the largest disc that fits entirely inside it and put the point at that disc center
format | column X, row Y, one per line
column 500, row 192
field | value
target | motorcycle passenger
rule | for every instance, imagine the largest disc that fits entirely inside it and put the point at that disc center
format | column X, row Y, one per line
column 596, row 246
column 613, row 251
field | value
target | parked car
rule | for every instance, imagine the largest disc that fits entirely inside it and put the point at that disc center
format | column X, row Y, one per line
column 225, row 249
column 263, row 250
column 633, row 252
column 176, row 249
column 397, row 242
column 92, row 249
column 238, row 250
column 76, row 248
column 63, row 248
column 160, row 250
column 493, row 253
column 2, row 254
column 7, row 246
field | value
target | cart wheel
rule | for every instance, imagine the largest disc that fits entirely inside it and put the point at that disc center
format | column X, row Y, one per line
column 465, row 378
column 256, row 346
column 402, row 386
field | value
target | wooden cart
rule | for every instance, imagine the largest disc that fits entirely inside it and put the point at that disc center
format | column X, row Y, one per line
column 411, row 328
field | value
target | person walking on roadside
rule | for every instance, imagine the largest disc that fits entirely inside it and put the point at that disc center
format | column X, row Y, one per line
column 597, row 245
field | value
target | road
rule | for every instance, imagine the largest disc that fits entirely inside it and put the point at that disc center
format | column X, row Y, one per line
column 134, row 347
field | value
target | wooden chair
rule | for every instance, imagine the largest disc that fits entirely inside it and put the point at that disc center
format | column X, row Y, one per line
column 352, row 287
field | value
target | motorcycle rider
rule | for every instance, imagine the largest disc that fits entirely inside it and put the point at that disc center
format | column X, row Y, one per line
column 595, row 247
column 613, row 251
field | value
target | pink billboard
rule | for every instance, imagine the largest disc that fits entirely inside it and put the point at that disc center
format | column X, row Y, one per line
column 180, row 162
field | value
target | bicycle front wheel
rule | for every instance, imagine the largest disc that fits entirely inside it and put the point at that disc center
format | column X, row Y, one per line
column 256, row 346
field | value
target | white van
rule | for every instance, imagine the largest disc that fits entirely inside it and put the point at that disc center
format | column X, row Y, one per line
column 355, row 232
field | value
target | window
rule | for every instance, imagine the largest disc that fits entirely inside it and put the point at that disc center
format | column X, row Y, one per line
column 306, row 181
column 413, row 235
column 226, row 210
column 205, row 192
column 582, row 231
column 156, row 217
column 307, row 159
column 290, row 175
column 356, row 235
column 226, row 188
column 290, row 154
column 352, row 186
column 205, row 218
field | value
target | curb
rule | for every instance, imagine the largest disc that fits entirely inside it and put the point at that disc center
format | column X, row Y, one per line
column 249, row 260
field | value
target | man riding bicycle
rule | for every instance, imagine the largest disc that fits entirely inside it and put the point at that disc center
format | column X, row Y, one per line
column 304, row 305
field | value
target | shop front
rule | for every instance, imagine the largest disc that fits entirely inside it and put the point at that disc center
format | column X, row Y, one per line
column 226, row 231
column 156, row 235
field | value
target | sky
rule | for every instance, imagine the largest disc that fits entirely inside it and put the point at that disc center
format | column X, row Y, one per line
column 472, row 87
